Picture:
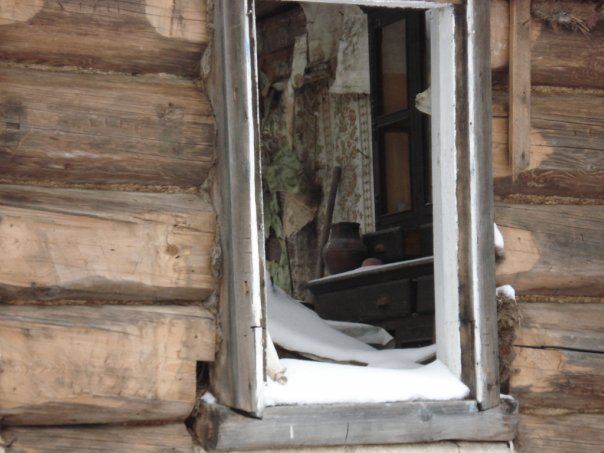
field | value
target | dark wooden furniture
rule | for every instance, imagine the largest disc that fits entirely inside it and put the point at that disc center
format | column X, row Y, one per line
column 398, row 297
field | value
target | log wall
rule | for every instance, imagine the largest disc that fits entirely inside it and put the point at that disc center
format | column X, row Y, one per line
column 106, row 137
column 552, row 219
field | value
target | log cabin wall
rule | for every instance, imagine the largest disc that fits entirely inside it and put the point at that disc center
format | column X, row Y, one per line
column 551, row 214
column 106, row 138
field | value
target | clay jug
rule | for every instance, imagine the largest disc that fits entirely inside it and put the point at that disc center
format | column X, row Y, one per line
column 344, row 250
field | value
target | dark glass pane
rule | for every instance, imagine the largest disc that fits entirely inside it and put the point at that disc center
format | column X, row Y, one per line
column 396, row 170
column 393, row 68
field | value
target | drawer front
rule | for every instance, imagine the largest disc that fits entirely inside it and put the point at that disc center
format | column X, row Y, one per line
column 367, row 303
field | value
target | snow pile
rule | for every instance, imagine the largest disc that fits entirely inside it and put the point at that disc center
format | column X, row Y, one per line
column 391, row 374
column 297, row 328
column 329, row 383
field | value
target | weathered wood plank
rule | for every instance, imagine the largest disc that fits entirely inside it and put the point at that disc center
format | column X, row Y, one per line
column 520, row 85
column 68, row 243
column 98, row 129
column 140, row 439
column 558, row 379
column 567, row 146
column 137, row 36
column 102, row 364
column 237, row 375
column 567, row 58
column 291, row 426
column 571, row 326
column 552, row 250
column 574, row 433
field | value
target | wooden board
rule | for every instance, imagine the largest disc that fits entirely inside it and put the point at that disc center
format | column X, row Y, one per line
column 99, row 129
column 574, row 433
column 103, row 364
column 236, row 377
column 140, row 439
column 324, row 425
column 570, row 326
column 566, row 146
column 520, row 85
column 68, row 243
column 552, row 250
column 558, row 379
column 133, row 36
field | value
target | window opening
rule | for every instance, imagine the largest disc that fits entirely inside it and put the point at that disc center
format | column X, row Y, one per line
column 338, row 87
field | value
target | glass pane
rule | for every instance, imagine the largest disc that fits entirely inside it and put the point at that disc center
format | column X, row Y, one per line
column 397, row 170
column 393, row 68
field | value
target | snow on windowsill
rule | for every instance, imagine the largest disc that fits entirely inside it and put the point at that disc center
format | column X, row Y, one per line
column 311, row 382
column 391, row 375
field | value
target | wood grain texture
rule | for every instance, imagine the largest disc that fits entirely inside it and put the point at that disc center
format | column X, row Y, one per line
column 108, row 364
column 558, row 379
column 567, row 58
column 552, row 250
column 520, row 85
column 237, row 375
column 575, row 433
column 130, row 36
column 99, row 129
column 140, row 439
column 294, row 426
column 67, row 243
column 567, row 145
column 569, row 326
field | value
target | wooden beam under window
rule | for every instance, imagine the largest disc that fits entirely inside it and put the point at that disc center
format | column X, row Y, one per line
column 220, row 428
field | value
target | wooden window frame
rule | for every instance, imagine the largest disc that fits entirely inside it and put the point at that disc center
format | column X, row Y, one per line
column 466, row 315
column 420, row 211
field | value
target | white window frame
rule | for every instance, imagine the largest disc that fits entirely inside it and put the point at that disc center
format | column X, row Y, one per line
column 466, row 318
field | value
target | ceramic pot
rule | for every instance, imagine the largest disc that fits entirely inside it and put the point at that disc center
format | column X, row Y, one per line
column 344, row 250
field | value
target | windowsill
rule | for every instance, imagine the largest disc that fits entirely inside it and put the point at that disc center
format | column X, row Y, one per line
column 220, row 428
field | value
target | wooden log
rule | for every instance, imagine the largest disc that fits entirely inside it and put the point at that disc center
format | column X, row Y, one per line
column 567, row 146
column 220, row 428
column 103, row 364
column 558, row 379
column 68, row 243
column 569, row 326
column 140, row 439
column 552, row 250
column 567, row 58
column 573, row 433
column 134, row 36
column 99, row 129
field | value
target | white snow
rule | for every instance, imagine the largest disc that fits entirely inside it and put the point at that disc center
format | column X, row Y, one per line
column 391, row 375
column 363, row 332
column 297, row 328
column 506, row 291
column 499, row 243
column 328, row 383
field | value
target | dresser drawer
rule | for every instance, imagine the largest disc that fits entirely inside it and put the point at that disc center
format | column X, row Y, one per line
column 366, row 303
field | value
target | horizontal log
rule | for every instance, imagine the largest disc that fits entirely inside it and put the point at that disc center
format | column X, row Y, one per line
column 559, row 325
column 140, row 439
column 566, row 150
column 103, row 364
column 137, row 36
column 552, row 250
column 561, row 433
column 558, row 379
column 220, row 428
column 99, row 129
column 567, row 58
column 68, row 243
